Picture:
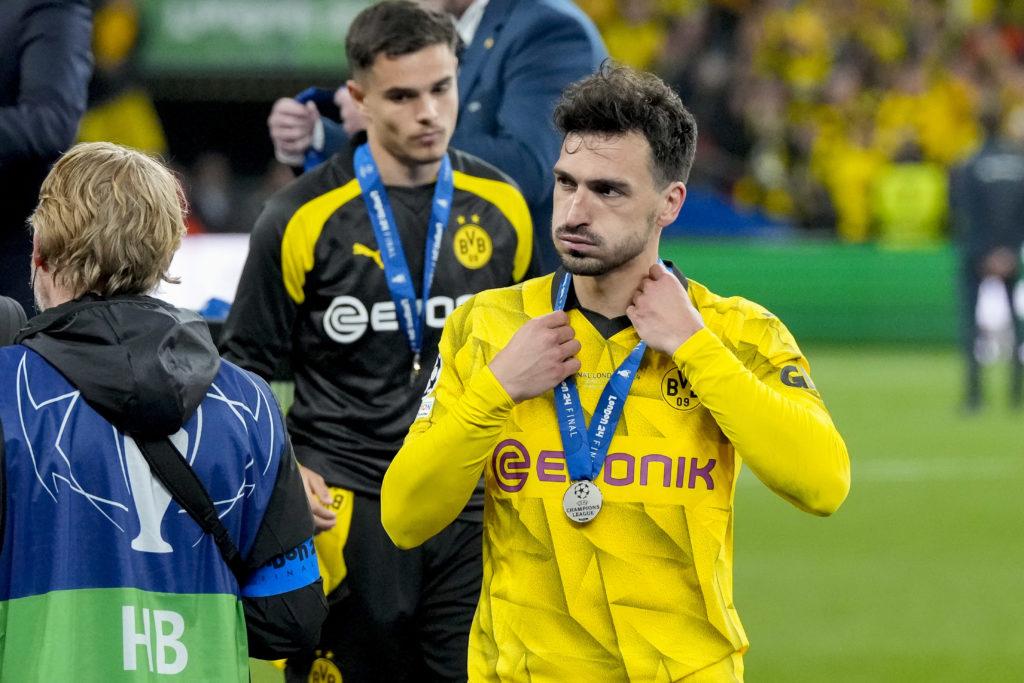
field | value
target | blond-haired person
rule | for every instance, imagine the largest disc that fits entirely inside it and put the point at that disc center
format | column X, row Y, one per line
column 100, row 568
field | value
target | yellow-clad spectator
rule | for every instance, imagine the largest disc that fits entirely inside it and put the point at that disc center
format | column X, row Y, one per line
column 909, row 200
column 846, row 168
column 934, row 112
column 796, row 46
column 120, row 110
column 949, row 131
column 636, row 33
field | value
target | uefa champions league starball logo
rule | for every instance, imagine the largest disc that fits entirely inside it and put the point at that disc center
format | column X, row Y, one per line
column 582, row 501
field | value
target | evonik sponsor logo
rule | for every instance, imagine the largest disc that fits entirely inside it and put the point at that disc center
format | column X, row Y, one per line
column 347, row 319
column 513, row 465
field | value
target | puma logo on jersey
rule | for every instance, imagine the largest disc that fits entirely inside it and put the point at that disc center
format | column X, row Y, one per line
column 363, row 250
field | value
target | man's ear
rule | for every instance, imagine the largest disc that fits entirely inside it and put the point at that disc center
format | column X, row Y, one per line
column 37, row 258
column 356, row 91
column 674, row 196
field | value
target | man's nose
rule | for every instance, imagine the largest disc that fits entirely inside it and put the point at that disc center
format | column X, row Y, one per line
column 577, row 211
column 428, row 109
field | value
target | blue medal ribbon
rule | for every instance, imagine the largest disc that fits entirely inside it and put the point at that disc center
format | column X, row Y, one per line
column 396, row 268
column 585, row 456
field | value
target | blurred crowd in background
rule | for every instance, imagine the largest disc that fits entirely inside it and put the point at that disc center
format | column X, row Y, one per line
column 835, row 116
column 838, row 118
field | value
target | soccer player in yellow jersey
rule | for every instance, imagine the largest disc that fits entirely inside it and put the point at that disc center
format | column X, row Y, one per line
column 609, row 407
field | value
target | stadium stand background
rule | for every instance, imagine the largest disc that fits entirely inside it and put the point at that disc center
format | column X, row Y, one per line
column 822, row 125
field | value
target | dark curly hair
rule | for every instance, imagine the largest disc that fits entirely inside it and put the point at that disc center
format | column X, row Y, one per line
column 396, row 28
column 617, row 100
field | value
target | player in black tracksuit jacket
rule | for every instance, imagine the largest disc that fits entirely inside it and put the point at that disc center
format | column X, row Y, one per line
column 313, row 291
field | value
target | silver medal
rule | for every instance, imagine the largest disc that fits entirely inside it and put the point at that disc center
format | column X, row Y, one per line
column 582, row 501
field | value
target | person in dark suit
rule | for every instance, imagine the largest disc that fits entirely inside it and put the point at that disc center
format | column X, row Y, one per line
column 45, row 65
column 519, row 56
column 986, row 201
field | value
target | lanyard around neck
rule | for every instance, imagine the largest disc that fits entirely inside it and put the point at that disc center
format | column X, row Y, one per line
column 396, row 268
column 585, row 457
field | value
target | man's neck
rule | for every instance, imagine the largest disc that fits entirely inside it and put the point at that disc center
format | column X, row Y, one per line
column 612, row 293
column 399, row 174
column 49, row 295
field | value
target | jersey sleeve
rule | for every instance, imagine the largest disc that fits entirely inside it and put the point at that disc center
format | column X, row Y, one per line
column 257, row 332
column 283, row 597
column 437, row 469
column 771, row 412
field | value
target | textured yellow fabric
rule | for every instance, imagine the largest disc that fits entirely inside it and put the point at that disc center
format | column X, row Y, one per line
column 644, row 591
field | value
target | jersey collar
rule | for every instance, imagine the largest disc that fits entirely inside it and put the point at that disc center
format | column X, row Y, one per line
column 608, row 327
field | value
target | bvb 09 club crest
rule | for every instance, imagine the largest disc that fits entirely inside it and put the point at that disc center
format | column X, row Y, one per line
column 676, row 391
column 473, row 246
column 324, row 670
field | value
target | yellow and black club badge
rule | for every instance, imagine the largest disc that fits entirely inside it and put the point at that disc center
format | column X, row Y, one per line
column 473, row 246
column 676, row 391
column 324, row 670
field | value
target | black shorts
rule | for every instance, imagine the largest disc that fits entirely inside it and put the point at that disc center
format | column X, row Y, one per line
column 400, row 615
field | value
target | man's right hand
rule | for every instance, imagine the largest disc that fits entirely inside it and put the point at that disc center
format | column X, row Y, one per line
column 319, row 497
column 291, row 125
column 540, row 355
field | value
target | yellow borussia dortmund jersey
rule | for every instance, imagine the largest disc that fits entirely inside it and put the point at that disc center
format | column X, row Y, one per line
column 644, row 591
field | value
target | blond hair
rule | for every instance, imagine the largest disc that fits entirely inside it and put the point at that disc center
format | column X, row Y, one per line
column 109, row 220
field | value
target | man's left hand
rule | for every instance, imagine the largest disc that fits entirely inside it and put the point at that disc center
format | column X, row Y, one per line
column 662, row 312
